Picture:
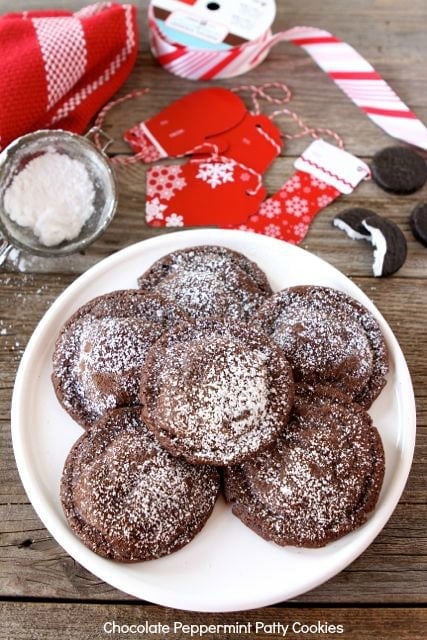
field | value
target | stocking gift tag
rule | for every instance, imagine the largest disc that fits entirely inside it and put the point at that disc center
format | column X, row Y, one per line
column 323, row 173
column 186, row 124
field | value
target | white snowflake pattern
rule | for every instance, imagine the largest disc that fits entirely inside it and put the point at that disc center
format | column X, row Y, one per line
column 272, row 230
column 297, row 206
column 216, row 173
column 319, row 184
column 300, row 230
column 270, row 208
column 154, row 210
column 165, row 181
column 293, row 184
column 324, row 200
column 174, row 220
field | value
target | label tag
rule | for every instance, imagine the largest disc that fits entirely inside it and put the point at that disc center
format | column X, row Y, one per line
column 197, row 26
column 333, row 165
column 226, row 22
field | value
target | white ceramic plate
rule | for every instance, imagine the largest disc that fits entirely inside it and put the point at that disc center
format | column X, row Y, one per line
column 226, row 567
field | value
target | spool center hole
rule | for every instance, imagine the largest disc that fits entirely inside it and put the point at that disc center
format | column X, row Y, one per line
column 213, row 6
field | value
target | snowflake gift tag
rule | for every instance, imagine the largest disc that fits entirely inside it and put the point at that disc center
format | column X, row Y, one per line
column 204, row 192
column 323, row 173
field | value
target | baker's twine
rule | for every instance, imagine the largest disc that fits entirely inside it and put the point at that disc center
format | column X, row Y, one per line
column 257, row 93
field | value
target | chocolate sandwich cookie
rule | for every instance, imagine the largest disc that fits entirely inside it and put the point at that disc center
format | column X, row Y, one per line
column 126, row 498
column 390, row 248
column 329, row 338
column 102, row 347
column 208, row 281
column 216, row 392
column 385, row 236
column 399, row 170
column 418, row 222
column 351, row 222
column 319, row 482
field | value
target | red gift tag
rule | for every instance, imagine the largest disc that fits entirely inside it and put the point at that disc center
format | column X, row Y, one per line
column 186, row 124
column 324, row 172
column 287, row 214
column 255, row 142
column 199, row 193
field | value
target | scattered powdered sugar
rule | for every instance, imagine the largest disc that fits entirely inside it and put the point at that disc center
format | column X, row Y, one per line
column 53, row 195
column 319, row 482
column 121, row 485
column 328, row 338
column 216, row 393
column 316, row 340
column 112, row 350
column 100, row 352
column 231, row 395
column 208, row 281
column 113, row 345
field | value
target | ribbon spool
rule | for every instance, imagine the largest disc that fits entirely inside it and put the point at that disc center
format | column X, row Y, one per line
column 202, row 40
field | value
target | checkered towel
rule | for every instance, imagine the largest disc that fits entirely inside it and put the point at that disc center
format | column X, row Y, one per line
column 58, row 68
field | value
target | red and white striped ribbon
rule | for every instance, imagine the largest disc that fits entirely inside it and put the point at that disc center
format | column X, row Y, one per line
column 347, row 68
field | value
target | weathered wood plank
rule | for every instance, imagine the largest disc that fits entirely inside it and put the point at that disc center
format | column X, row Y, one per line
column 391, row 36
column 22, row 621
column 391, row 570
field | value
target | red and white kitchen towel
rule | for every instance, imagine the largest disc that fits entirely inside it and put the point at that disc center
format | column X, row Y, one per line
column 58, row 68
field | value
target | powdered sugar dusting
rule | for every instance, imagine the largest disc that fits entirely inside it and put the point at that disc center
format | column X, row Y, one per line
column 128, row 497
column 111, row 352
column 316, row 340
column 208, row 281
column 216, row 393
column 319, row 482
column 329, row 338
column 101, row 350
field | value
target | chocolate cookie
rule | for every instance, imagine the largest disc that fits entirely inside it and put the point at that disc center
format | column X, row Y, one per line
column 216, row 392
column 208, row 281
column 399, row 170
column 418, row 222
column 319, row 482
column 101, row 349
column 351, row 222
column 329, row 338
column 126, row 498
column 390, row 248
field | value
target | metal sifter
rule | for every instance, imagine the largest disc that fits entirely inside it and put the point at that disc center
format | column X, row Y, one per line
column 15, row 157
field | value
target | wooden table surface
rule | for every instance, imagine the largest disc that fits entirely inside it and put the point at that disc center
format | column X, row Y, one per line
column 44, row 593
